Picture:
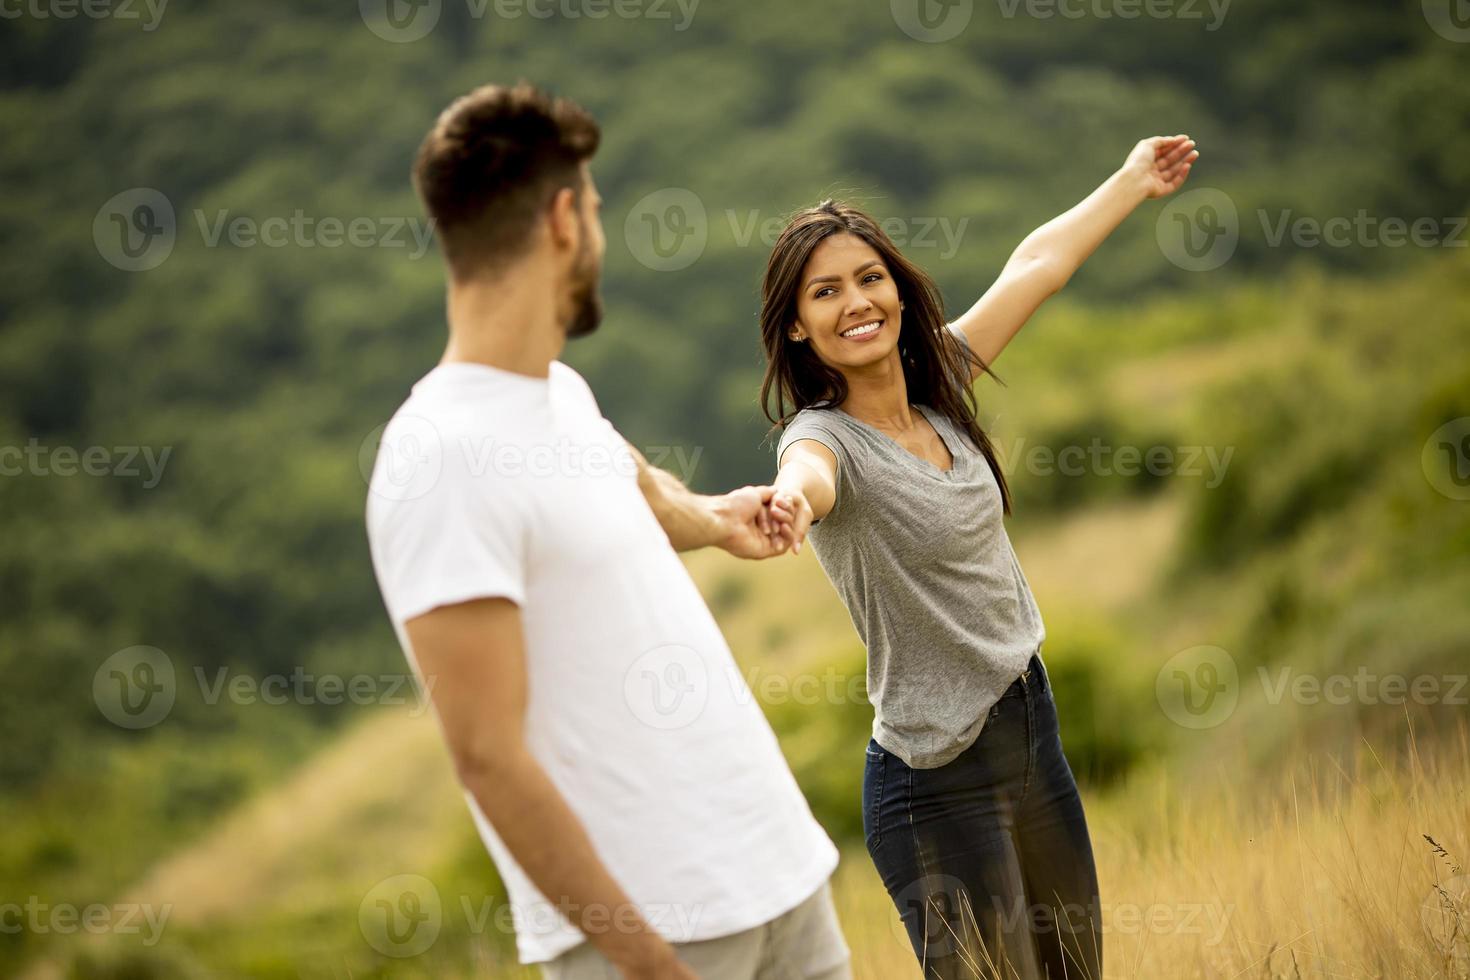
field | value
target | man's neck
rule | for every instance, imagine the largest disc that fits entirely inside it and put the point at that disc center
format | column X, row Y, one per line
column 510, row 323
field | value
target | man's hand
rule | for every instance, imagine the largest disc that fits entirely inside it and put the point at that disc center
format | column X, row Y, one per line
column 751, row 530
column 1163, row 162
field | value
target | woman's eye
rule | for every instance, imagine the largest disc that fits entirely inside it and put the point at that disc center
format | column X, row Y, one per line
column 822, row 292
column 872, row 277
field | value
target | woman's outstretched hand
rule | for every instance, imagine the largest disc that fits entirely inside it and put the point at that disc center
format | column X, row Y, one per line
column 792, row 518
column 1163, row 161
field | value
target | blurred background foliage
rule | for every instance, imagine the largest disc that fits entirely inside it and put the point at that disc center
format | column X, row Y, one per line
column 265, row 371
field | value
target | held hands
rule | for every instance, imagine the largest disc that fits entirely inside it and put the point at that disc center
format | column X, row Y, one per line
column 764, row 522
column 1163, row 162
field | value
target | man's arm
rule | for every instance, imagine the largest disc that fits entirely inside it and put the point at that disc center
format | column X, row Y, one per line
column 739, row 521
column 475, row 653
column 1046, row 259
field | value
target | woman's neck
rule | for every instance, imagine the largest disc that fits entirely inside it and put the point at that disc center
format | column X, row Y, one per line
column 879, row 395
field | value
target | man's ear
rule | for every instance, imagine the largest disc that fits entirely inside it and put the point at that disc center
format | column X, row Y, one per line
column 563, row 220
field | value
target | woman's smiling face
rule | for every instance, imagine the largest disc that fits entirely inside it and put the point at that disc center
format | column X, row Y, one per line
column 848, row 307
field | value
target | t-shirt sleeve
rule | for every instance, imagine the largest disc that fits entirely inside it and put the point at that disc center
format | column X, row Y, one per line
column 574, row 388
column 814, row 426
column 467, row 538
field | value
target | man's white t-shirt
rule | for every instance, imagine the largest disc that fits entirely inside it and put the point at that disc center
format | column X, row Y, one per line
column 491, row 483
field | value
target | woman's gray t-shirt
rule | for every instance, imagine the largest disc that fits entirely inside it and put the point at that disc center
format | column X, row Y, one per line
column 921, row 558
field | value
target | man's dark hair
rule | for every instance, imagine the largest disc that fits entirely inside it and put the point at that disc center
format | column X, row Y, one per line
column 492, row 162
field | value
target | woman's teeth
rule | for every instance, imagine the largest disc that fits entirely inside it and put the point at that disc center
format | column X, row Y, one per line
column 863, row 330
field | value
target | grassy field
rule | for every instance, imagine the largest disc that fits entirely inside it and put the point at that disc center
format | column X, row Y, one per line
column 1320, row 866
column 1326, row 867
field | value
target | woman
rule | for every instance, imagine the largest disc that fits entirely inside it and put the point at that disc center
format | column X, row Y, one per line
column 970, row 810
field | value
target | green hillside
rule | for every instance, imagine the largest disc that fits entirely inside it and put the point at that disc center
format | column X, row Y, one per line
column 1306, row 389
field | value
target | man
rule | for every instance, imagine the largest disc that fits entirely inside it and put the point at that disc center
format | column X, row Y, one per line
column 618, row 769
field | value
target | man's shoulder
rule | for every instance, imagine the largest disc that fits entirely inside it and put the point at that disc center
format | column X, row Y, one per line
column 564, row 376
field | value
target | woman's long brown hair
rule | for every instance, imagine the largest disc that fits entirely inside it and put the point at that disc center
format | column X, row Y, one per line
column 933, row 358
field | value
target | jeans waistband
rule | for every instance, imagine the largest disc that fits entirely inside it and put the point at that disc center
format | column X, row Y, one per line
column 1033, row 676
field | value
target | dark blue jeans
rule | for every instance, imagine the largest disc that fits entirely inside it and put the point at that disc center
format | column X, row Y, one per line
column 987, row 857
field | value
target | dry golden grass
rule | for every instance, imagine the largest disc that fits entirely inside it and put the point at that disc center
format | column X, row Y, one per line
column 1321, row 867
column 1325, row 867
column 1317, row 867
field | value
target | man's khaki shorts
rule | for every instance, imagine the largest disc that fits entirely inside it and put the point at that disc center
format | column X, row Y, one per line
column 803, row 944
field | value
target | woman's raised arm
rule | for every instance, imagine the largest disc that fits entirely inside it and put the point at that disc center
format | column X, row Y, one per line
column 1047, row 258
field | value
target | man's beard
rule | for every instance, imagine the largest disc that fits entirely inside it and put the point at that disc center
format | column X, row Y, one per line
column 585, row 297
